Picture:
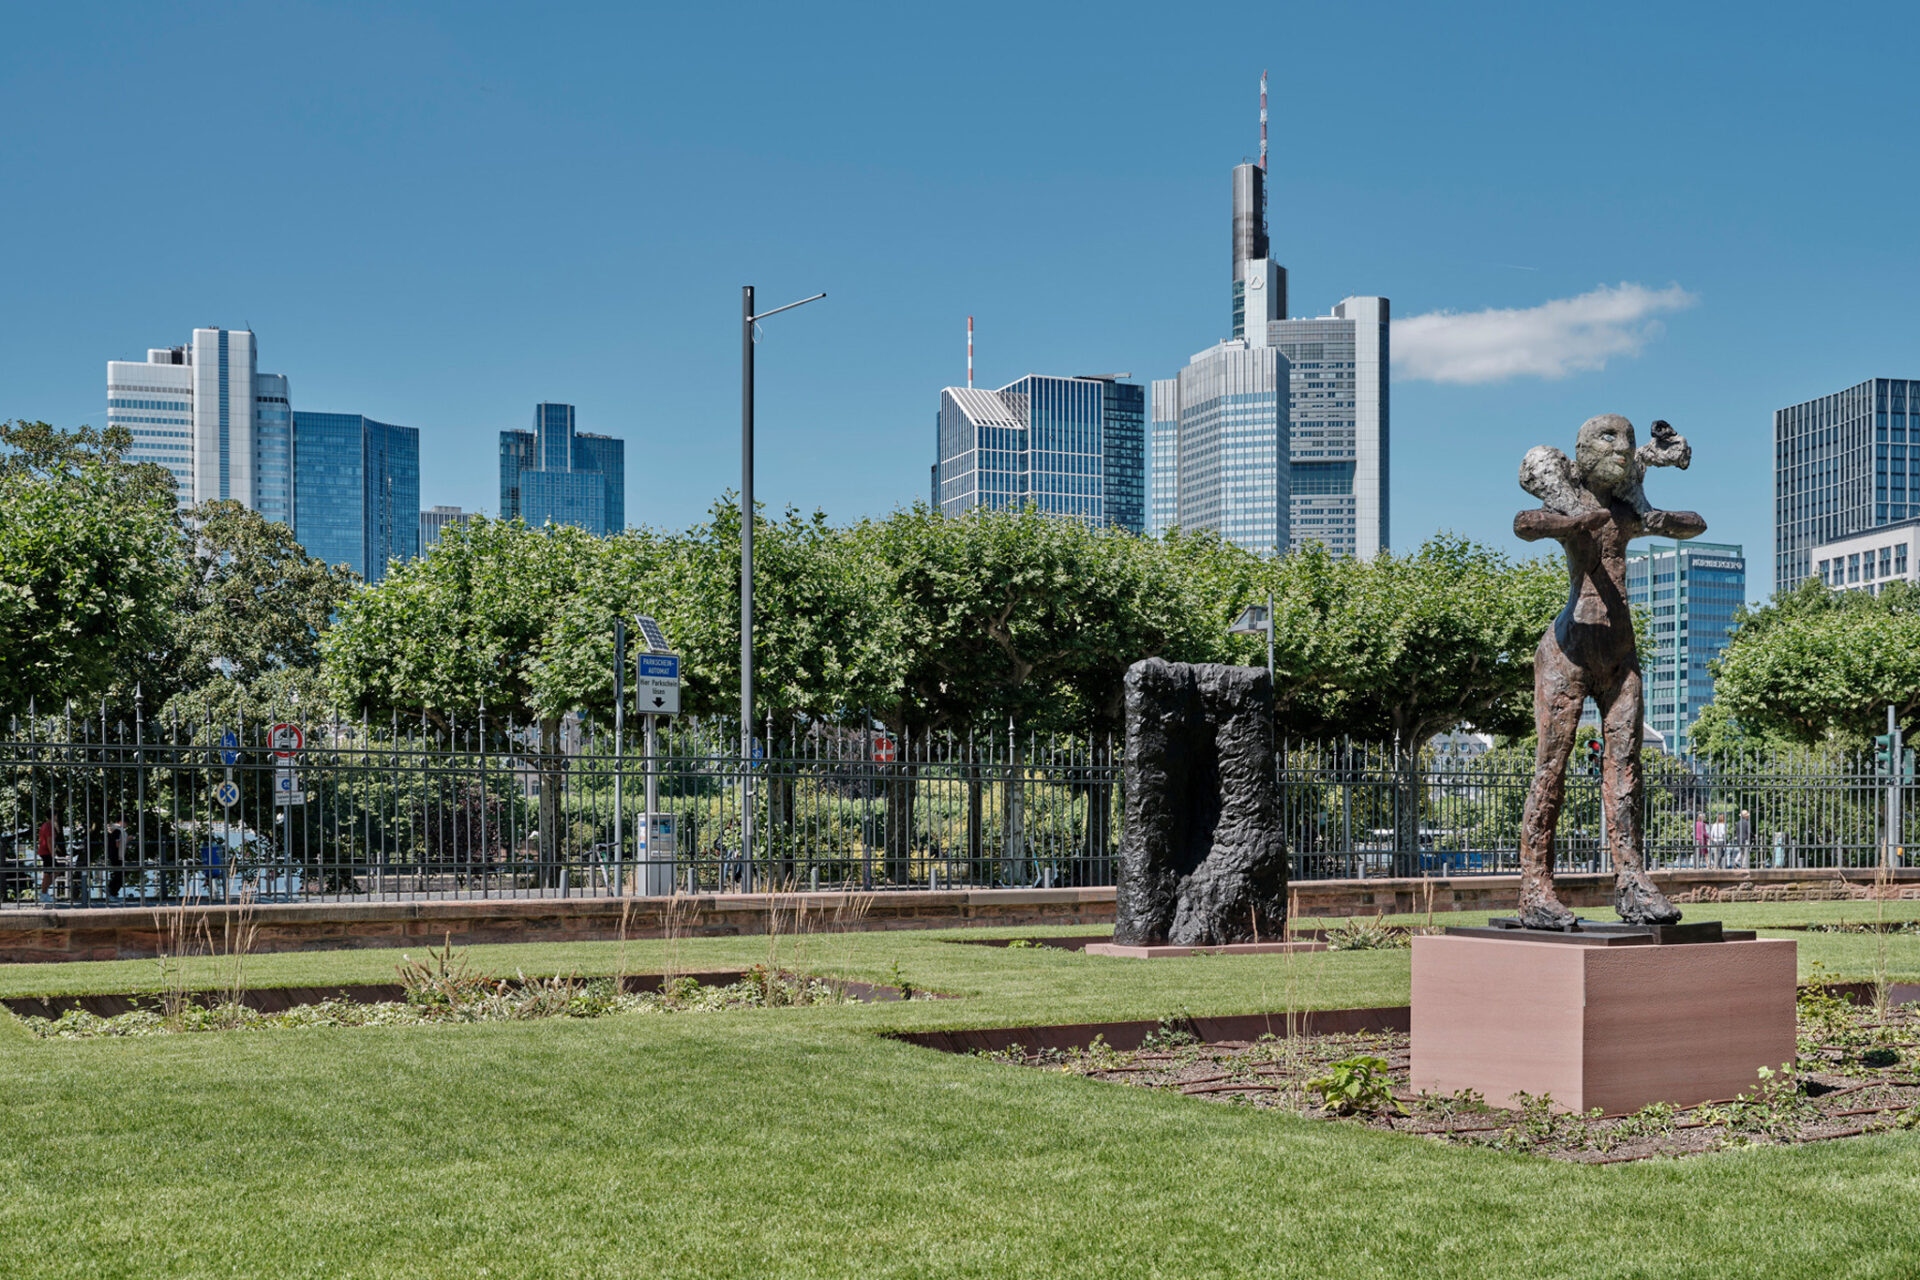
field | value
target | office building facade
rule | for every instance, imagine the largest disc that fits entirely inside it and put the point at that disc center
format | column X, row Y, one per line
column 1868, row 561
column 1690, row 592
column 434, row 521
column 555, row 474
column 356, row 490
column 1213, row 464
column 1220, row 447
column 1843, row 464
column 205, row 412
column 1070, row 446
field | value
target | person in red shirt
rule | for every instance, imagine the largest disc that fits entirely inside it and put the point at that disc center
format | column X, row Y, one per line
column 49, row 840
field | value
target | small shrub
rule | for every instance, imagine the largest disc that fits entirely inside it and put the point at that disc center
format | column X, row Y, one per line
column 1367, row 933
column 1357, row 1084
column 1172, row 1033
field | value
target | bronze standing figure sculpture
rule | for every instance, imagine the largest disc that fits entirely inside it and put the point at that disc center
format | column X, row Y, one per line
column 1594, row 505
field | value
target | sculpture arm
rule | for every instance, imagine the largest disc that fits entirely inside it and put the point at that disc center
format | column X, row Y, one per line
column 1674, row 524
column 1541, row 523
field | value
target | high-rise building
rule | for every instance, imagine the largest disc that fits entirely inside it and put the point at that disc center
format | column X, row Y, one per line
column 1840, row 467
column 356, row 490
column 1321, row 383
column 207, row 414
column 1070, row 446
column 554, row 474
column 435, row 519
column 1690, row 592
column 1221, row 463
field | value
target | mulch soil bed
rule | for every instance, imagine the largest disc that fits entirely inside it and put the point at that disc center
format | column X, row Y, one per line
column 1858, row 1072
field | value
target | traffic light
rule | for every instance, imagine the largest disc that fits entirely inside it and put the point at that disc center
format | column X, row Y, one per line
column 1883, row 754
column 1906, row 765
column 1593, row 753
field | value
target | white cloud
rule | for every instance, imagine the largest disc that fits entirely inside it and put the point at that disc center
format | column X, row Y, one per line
column 1552, row 340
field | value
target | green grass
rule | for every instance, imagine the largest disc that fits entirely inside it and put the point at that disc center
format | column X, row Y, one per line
column 800, row 1143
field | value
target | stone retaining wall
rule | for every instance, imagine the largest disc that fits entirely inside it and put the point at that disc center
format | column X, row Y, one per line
column 122, row 933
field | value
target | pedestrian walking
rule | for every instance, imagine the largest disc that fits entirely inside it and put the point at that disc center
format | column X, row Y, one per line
column 1699, row 839
column 1779, row 848
column 1743, row 837
column 1717, row 840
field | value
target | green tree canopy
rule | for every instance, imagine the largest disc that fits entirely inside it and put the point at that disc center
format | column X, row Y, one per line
column 472, row 622
column 89, row 562
column 1816, row 665
column 244, row 644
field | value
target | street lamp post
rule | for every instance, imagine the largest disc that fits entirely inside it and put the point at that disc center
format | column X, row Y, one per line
column 747, row 320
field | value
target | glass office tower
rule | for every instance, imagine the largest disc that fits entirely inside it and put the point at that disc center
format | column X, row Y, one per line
column 1337, row 425
column 1071, row 446
column 554, row 474
column 1689, row 591
column 1221, row 463
column 205, row 412
column 356, row 490
column 1212, row 464
column 1841, row 467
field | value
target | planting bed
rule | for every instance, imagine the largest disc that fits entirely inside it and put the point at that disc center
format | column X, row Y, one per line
column 435, row 994
column 1858, row 1072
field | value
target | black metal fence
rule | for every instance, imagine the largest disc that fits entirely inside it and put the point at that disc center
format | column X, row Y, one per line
column 102, row 811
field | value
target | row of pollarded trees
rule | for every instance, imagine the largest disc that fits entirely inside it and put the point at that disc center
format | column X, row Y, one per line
column 927, row 623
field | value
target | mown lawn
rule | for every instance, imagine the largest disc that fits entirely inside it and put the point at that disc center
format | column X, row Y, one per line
column 800, row 1142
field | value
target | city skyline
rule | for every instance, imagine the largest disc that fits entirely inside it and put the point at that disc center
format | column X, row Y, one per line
column 1545, row 264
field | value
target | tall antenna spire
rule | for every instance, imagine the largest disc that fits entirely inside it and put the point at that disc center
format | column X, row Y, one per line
column 1263, row 120
column 969, row 351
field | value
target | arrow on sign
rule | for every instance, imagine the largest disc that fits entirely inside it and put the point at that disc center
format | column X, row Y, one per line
column 659, row 701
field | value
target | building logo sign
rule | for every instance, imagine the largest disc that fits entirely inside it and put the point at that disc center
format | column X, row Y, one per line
column 1739, row 565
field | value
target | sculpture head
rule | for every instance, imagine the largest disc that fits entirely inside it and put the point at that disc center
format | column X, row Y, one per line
column 1603, row 455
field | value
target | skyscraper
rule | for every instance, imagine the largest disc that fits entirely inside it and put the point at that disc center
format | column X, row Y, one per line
column 1070, row 446
column 1288, row 416
column 208, row 415
column 1690, row 591
column 356, row 490
column 434, row 520
column 554, row 474
column 1841, row 467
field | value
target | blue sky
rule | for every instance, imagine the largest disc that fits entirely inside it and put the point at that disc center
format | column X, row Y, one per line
column 438, row 215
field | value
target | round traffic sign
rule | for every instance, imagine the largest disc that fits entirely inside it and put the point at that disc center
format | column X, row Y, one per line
column 286, row 739
column 227, row 793
column 229, row 748
column 883, row 750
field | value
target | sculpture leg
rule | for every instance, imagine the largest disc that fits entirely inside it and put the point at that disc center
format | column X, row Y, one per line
column 1621, row 791
column 1558, row 695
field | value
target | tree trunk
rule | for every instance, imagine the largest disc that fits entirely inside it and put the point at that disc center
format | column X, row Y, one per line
column 1096, row 859
column 1013, row 845
column 977, row 870
column 553, row 776
column 1406, row 811
column 901, row 789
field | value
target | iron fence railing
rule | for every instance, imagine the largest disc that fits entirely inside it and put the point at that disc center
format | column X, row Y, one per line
column 103, row 812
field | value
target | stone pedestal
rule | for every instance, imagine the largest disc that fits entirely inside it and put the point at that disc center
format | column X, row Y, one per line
column 1614, row 1027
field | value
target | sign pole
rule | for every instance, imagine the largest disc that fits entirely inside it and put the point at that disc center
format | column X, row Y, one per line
column 619, row 732
column 653, row 800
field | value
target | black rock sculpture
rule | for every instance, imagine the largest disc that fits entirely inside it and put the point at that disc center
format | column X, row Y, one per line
column 1202, row 859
